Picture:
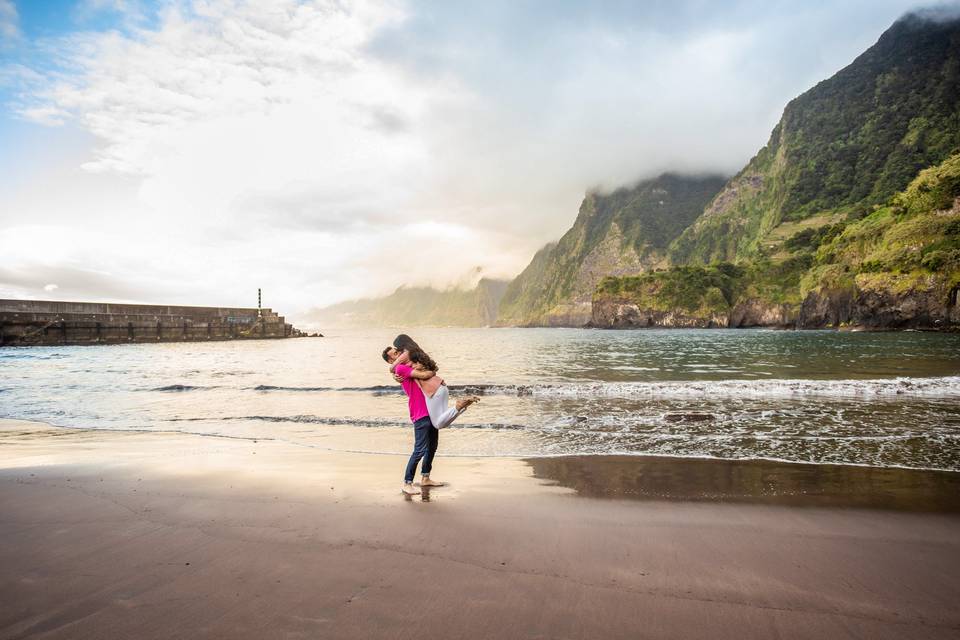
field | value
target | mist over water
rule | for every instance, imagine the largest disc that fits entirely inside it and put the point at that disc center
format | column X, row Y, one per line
column 884, row 399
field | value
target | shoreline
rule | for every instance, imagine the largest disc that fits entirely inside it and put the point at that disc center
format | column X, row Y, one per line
column 843, row 329
column 135, row 534
column 518, row 456
column 952, row 329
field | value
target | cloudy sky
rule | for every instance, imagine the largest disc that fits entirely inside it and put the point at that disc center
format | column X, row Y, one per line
column 190, row 151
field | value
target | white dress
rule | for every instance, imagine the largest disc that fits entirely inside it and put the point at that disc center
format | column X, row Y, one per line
column 441, row 415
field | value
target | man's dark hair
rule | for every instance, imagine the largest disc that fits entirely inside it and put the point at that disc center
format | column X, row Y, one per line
column 386, row 355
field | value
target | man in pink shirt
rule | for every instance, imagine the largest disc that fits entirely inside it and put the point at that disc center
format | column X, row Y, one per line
column 426, row 438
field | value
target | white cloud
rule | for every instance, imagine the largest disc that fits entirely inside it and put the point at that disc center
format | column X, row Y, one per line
column 9, row 21
column 49, row 115
column 293, row 145
column 266, row 145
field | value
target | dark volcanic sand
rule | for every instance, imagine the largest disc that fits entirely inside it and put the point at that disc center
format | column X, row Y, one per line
column 110, row 535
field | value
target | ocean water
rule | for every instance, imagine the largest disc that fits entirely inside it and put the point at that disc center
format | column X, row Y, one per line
column 880, row 399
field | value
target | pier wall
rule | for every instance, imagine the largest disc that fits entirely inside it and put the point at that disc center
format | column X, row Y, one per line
column 42, row 322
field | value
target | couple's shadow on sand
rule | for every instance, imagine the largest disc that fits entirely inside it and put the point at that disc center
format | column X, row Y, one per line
column 424, row 495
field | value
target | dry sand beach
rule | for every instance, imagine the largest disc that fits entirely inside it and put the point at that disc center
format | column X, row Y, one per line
column 166, row 535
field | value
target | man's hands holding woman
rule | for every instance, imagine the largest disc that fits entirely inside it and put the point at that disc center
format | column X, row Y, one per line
column 419, row 372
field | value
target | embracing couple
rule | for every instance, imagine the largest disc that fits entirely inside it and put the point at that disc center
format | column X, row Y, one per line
column 428, row 399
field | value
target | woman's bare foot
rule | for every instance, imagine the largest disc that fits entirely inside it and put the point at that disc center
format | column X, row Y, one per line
column 427, row 482
column 410, row 490
column 463, row 403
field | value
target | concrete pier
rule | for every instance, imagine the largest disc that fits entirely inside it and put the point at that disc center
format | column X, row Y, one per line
column 42, row 322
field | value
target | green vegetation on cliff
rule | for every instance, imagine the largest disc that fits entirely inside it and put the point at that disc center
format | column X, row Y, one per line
column 838, row 218
column 848, row 143
column 623, row 232
column 905, row 253
column 710, row 289
column 911, row 241
column 697, row 289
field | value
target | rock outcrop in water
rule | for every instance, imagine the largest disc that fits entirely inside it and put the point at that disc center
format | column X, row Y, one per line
column 623, row 314
column 628, row 311
column 933, row 306
column 759, row 313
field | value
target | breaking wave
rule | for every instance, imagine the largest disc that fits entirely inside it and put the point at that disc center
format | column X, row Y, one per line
column 940, row 387
column 179, row 387
column 353, row 422
column 934, row 387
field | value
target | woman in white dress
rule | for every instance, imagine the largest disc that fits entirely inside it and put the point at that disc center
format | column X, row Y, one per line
column 435, row 390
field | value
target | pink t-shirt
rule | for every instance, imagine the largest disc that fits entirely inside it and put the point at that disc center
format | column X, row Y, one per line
column 418, row 404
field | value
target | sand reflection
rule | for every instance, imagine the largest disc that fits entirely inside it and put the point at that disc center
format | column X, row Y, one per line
column 759, row 481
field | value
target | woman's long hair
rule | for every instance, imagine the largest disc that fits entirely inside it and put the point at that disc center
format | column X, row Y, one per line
column 403, row 342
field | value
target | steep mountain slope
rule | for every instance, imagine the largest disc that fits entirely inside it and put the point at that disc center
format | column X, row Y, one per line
column 898, row 267
column 812, row 232
column 418, row 307
column 848, row 143
column 624, row 232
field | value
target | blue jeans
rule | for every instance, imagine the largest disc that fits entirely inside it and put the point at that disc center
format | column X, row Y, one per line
column 425, row 442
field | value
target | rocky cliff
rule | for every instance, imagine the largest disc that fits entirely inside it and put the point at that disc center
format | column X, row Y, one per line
column 824, row 227
column 883, row 307
column 625, row 314
column 896, row 268
column 620, row 233
column 848, row 143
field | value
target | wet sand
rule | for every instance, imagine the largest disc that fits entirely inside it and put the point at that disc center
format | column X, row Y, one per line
column 147, row 535
column 754, row 482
